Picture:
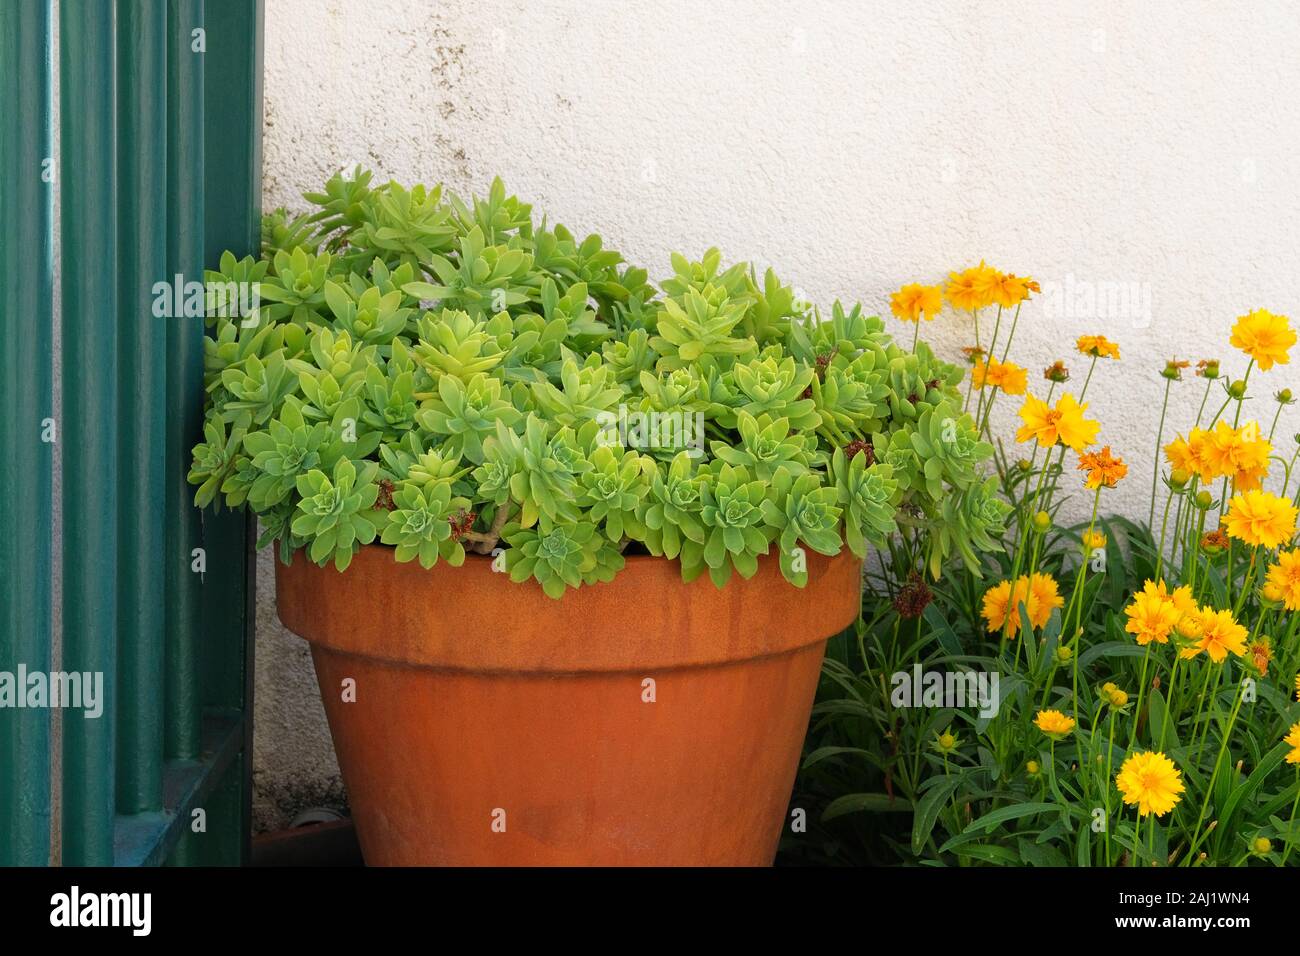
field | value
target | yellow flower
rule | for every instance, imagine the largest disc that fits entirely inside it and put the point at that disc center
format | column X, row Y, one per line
column 1292, row 740
column 1193, row 454
column 1008, row 376
column 1260, row 518
column 1297, row 685
column 1097, row 346
column 1010, row 289
column 971, row 288
column 1236, row 453
column 1054, row 723
column 1102, row 468
column 1064, row 423
column 1265, row 337
column 1038, row 593
column 999, row 600
column 1152, row 615
column 913, row 302
column 1183, row 601
column 1032, row 768
column 1220, row 634
column 1261, row 845
column 1092, row 540
column 946, row 742
column 1044, row 596
column 1284, row 579
column 1151, row 781
column 1112, row 695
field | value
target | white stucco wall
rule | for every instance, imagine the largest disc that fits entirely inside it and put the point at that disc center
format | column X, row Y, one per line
column 854, row 146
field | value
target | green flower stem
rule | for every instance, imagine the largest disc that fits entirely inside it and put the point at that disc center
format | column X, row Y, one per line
column 1295, row 804
column 1110, row 755
column 1155, row 469
column 1164, row 524
column 1214, row 775
column 1015, row 320
column 1204, row 398
column 1142, row 686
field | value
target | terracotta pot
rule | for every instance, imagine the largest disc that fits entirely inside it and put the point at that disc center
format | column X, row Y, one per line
column 481, row 704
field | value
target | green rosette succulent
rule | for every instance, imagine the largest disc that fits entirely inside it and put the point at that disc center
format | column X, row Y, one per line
column 465, row 414
column 214, row 459
column 613, row 488
column 337, row 512
column 566, row 556
column 806, row 512
column 868, row 496
column 421, row 526
column 767, row 447
column 290, row 447
column 735, row 527
column 671, row 513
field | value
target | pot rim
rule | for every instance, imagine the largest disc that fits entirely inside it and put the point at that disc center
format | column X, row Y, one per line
column 472, row 618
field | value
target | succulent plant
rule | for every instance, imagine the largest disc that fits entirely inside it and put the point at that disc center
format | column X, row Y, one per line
column 452, row 376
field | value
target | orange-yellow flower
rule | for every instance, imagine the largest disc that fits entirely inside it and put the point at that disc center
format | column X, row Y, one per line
column 1008, row 376
column 1009, row 289
column 1292, row 740
column 1265, row 337
column 1151, row 781
column 1220, row 635
column 1092, row 540
column 1053, row 723
column 1283, row 578
column 971, row 288
column 1260, row 518
column 1038, row 593
column 1152, row 615
column 1240, row 454
column 913, row 302
column 1102, row 468
column 1064, row 423
column 1044, row 597
column 1097, row 346
column 1260, row 653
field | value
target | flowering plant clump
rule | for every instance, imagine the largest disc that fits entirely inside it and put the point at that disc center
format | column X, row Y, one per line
column 1118, row 691
column 442, row 377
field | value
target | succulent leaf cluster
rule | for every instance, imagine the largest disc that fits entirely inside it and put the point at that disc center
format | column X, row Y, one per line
column 448, row 377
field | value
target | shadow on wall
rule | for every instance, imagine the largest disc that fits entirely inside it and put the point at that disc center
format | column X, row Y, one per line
column 294, row 764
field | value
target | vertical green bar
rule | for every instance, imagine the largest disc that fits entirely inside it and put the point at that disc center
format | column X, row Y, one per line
column 233, row 123
column 142, row 262
column 185, row 233
column 26, row 409
column 88, row 230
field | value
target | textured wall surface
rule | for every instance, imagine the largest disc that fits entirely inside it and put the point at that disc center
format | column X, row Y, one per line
column 1138, row 158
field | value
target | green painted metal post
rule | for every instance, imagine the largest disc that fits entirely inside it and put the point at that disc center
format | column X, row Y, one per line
column 26, row 420
column 185, row 231
column 142, row 262
column 233, row 120
column 90, row 490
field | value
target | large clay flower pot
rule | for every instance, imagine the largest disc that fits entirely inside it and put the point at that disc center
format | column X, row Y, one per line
column 643, row 722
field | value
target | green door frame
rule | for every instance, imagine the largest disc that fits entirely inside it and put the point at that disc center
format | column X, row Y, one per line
column 159, row 171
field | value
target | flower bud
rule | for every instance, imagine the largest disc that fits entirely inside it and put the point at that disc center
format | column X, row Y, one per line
column 1178, row 479
column 1261, row 845
column 1063, row 653
column 1238, row 389
column 1204, row 500
column 1032, row 768
column 1042, row 522
column 1024, row 465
